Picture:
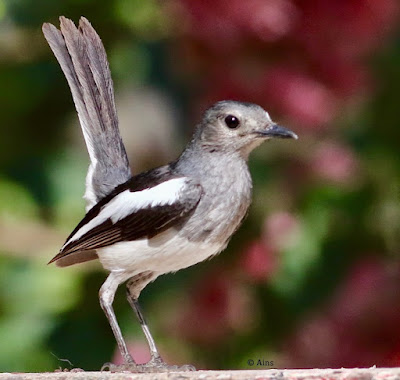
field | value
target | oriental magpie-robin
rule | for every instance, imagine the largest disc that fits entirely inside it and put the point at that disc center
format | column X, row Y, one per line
column 142, row 226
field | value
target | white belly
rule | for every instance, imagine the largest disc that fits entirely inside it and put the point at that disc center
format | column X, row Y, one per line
column 166, row 252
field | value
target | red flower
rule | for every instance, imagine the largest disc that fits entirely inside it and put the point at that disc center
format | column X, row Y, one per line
column 218, row 305
column 258, row 261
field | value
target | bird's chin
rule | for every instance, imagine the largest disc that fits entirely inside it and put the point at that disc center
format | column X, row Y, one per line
column 248, row 148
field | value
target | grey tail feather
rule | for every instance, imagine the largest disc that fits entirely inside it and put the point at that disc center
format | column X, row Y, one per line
column 83, row 60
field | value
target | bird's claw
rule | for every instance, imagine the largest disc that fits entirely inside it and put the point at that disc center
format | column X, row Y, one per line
column 154, row 365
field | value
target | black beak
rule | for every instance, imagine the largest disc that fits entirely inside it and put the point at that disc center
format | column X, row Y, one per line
column 279, row 132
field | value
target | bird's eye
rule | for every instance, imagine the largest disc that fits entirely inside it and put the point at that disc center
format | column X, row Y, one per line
column 232, row 121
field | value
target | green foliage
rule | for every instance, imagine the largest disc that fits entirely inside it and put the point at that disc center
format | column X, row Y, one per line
column 33, row 300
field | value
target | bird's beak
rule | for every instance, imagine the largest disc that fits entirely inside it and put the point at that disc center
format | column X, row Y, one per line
column 277, row 131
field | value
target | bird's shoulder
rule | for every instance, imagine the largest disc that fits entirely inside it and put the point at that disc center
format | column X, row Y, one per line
column 143, row 181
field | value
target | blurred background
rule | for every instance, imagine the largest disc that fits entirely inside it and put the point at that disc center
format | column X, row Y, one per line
column 312, row 279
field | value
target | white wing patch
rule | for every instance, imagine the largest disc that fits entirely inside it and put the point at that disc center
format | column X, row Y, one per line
column 90, row 196
column 128, row 202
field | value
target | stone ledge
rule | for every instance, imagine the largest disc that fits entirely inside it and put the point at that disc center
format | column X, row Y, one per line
column 270, row 374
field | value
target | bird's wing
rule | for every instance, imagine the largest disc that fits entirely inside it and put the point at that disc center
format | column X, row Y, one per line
column 83, row 60
column 130, row 215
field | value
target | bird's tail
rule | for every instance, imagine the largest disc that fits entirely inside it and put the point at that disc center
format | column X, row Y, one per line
column 83, row 60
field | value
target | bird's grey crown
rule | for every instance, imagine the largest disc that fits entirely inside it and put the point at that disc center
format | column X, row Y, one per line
column 225, row 104
column 225, row 107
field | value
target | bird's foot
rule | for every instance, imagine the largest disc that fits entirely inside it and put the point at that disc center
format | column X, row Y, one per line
column 69, row 370
column 126, row 367
column 154, row 365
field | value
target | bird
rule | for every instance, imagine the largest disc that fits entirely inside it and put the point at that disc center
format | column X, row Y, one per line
column 141, row 226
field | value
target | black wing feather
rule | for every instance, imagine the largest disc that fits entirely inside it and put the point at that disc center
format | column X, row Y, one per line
column 146, row 222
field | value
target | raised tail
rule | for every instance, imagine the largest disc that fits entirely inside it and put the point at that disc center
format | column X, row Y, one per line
column 83, row 60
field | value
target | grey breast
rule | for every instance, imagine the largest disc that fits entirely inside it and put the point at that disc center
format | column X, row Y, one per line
column 227, row 190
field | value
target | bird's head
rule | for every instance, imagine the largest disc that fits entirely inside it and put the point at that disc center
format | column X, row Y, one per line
column 238, row 127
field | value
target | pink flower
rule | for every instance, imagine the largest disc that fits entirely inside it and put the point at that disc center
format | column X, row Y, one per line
column 226, row 23
column 280, row 230
column 258, row 261
column 300, row 97
column 267, row 20
column 138, row 349
column 334, row 162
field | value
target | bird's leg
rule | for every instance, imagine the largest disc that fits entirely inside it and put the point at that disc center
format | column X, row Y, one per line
column 133, row 288
column 155, row 355
column 156, row 364
column 106, row 295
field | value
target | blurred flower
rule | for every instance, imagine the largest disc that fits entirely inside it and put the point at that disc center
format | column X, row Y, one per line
column 359, row 327
column 219, row 305
column 258, row 261
column 334, row 162
column 306, row 59
column 338, row 35
column 267, row 20
column 345, row 28
column 261, row 258
column 138, row 349
column 344, row 77
column 280, row 230
column 224, row 23
column 300, row 97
